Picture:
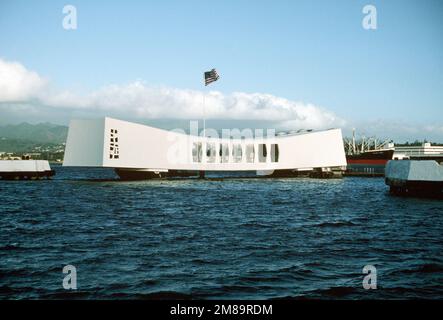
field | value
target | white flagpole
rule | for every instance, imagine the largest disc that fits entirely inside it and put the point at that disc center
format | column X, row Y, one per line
column 204, row 114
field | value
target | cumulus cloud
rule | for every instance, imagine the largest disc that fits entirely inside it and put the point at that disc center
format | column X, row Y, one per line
column 17, row 84
column 25, row 96
column 160, row 102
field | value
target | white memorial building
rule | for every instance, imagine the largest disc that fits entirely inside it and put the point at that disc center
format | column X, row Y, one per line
column 139, row 151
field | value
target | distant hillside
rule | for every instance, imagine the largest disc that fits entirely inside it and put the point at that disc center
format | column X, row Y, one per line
column 41, row 133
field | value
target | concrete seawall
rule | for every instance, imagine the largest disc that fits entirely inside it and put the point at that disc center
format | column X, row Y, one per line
column 420, row 178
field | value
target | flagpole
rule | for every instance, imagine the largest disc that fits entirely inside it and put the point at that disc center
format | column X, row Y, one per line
column 202, row 172
column 204, row 114
column 209, row 77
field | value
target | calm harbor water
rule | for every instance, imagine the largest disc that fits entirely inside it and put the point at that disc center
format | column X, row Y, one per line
column 232, row 238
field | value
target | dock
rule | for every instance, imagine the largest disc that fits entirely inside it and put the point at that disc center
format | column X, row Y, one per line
column 363, row 174
column 25, row 170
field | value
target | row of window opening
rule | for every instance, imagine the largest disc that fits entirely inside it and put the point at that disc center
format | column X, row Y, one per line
column 236, row 153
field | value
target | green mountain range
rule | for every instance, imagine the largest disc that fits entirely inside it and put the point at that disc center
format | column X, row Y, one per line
column 42, row 132
column 25, row 137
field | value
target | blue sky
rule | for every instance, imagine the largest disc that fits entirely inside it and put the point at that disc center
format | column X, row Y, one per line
column 315, row 52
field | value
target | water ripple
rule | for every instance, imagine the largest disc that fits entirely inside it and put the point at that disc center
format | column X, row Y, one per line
column 218, row 238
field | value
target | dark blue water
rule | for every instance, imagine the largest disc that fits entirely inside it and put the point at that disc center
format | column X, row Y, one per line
column 236, row 238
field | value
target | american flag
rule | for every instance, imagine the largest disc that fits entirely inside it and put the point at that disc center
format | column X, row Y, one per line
column 211, row 76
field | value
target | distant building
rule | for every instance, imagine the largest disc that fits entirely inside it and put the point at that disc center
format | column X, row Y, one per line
column 33, row 154
column 426, row 150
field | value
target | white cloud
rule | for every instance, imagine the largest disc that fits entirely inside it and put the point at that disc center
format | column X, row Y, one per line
column 17, row 83
column 161, row 102
column 25, row 95
column 148, row 102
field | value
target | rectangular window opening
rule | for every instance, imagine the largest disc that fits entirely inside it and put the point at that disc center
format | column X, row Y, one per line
column 197, row 152
column 262, row 152
column 211, row 152
column 224, row 153
column 274, row 153
column 237, row 153
column 250, row 153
